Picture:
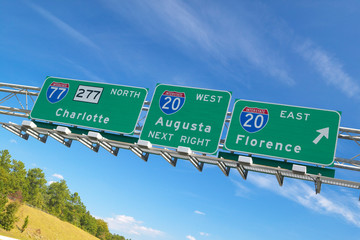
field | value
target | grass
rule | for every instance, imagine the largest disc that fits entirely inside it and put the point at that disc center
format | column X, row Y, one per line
column 45, row 227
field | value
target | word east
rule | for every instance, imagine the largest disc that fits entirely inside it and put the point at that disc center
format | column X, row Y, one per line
column 82, row 116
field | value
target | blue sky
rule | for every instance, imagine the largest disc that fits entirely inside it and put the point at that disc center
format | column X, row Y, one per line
column 302, row 53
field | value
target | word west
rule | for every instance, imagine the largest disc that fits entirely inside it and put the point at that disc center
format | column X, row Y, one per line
column 82, row 116
column 208, row 98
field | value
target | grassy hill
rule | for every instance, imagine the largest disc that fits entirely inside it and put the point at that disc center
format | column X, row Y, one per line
column 45, row 227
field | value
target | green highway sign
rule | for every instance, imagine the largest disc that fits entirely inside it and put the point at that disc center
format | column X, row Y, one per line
column 281, row 131
column 187, row 117
column 109, row 107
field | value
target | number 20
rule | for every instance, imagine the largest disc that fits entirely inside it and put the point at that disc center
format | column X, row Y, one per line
column 174, row 105
column 258, row 121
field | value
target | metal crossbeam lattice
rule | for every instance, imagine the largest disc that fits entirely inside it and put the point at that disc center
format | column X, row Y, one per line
column 24, row 95
column 25, row 98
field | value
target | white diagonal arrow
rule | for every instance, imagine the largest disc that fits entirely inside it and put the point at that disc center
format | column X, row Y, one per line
column 324, row 132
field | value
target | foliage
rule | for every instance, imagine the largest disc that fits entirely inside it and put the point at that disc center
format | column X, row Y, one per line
column 88, row 223
column 3, row 201
column 30, row 186
column 17, row 176
column 115, row 237
column 5, row 160
column 58, row 195
column 26, row 222
column 8, row 217
column 36, row 187
column 102, row 229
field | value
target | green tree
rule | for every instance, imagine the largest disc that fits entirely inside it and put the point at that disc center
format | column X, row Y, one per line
column 26, row 222
column 88, row 223
column 4, row 182
column 8, row 218
column 74, row 210
column 17, row 180
column 114, row 237
column 3, row 201
column 35, row 187
column 102, row 229
column 58, row 196
column 5, row 160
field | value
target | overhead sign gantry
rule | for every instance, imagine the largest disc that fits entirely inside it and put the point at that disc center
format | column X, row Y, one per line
column 186, row 117
column 282, row 131
column 268, row 124
column 109, row 107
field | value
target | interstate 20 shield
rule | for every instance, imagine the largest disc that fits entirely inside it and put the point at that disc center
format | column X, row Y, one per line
column 171, row 102
column 253, row 119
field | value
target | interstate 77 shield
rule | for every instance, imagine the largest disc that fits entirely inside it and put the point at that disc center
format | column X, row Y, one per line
column 187, row 117
column 57, row 91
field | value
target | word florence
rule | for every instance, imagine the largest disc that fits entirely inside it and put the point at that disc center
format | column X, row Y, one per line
column 267, row 144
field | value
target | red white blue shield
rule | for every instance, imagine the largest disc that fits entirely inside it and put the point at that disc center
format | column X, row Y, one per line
column 253, row 119
column 57, row 91
column 171, row 102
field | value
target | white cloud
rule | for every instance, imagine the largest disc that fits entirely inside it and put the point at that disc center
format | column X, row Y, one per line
column 230, row 39
column 59, row 176
column 67, row 29
column 190, row 28
column 13, row 141
column 329, row 202
column 50, row 182
column 190, row 237
column 84, row 71
column 329, row 68
column 198, row 212
column 129, row 225
column 241, row 190
column 204, row 234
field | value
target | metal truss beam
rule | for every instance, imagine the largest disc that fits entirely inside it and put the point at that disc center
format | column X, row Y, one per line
column 243, row 172
column 197, row 160
column 22, row 94
column 23, row 91
column 317, row 185
column 15, row 129
column 138, row 152
column 170, row 159
column 60, row 138
column 279, row 178
column 18, row 86
column 225, row 169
